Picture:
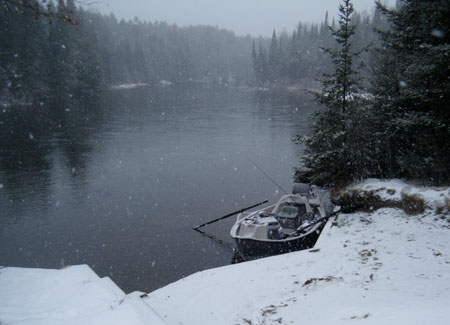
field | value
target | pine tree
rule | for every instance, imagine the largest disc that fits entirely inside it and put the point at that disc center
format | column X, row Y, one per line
column 59, row 54
column 255, row 62
column 336, row 153
column 415, row 94
column 23, row 40
column 85, row 53
column 324, row 27
column 261, row 73
column 274, row 58
column 295, row 62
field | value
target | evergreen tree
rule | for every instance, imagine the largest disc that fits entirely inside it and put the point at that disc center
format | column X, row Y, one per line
column 324, row 27
column 274, row 59
column 295, row 61
column 261, row 66
column 384, row 87
column 23, row 42
column 414, row 95
column 86, row 53
column 59, row 55
column 336, row 153
column 254, row 60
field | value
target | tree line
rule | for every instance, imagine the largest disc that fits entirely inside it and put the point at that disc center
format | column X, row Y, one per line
column 290, row 59
column 70, row 49
column 393, row 122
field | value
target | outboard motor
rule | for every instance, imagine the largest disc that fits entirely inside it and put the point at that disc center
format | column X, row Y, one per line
column 301, row 188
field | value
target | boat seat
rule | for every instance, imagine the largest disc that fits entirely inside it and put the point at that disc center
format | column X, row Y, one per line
column 289, row 211
column 289, row 215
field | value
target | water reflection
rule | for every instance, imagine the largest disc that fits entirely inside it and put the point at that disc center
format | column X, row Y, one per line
column 118, row 179
column 34, row 137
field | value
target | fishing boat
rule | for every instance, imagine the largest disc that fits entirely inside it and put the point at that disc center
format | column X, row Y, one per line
column 292, row 224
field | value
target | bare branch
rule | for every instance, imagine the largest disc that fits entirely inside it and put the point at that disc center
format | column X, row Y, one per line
column 37, row 9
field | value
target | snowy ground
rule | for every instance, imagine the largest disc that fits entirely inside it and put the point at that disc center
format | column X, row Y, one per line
column 74, row 295
column 382, row 267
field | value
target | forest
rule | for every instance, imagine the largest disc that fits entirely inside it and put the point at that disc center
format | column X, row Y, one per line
column 70, row 48
column 394, row 121
column 73, row 49
column 300, row 58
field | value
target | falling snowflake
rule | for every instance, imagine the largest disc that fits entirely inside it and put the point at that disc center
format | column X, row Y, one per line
column 439, row 33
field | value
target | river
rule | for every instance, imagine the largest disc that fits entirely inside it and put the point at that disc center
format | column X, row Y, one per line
column 117, row 180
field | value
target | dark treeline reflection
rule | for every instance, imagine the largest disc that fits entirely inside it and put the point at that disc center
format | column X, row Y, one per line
column 31, row 134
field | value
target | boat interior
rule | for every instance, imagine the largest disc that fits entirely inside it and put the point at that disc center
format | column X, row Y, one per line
column 279, row 221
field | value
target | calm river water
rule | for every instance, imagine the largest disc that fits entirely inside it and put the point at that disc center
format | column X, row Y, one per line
column 117, row 181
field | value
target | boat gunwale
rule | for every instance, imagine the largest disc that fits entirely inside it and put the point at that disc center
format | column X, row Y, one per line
column 284, row 240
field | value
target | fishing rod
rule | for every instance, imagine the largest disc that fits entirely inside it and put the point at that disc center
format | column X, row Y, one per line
column 230, row 215
column 302, row 228
column 262, row 171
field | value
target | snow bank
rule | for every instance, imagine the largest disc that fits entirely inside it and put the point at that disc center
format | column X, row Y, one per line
column 74, row 295
column 382, row 267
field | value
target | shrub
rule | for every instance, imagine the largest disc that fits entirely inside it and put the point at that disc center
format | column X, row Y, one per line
column 363, row 200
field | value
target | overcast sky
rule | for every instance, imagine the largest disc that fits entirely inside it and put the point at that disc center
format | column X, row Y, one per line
column 256, row 17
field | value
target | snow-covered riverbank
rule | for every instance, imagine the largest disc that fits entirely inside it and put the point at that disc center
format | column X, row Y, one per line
column 379, row 267
column 383, row 267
